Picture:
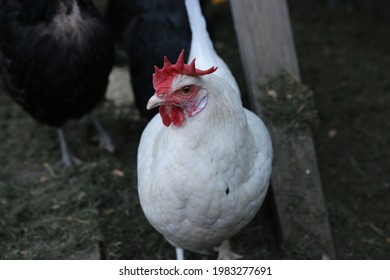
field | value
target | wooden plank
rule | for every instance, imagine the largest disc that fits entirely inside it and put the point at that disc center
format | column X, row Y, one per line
column 267, row 47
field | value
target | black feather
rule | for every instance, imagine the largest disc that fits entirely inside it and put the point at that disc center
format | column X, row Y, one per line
column 55, row 57
column 158, row 28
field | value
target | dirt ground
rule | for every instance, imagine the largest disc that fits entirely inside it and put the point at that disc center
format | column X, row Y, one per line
column 344, row 57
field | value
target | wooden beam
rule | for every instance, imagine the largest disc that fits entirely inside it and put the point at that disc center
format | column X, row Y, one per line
column 267, row 47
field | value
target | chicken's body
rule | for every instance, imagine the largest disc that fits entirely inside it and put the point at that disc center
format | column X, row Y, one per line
column 203, row 180
column 55, row 58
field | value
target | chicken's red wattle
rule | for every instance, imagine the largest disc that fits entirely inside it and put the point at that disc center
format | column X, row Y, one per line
column 171, row 114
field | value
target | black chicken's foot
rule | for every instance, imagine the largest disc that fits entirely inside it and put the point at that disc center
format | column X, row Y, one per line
column 105, row 141
column 67, row 158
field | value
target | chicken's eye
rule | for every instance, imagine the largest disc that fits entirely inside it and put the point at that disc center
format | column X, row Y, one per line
column 186, row 90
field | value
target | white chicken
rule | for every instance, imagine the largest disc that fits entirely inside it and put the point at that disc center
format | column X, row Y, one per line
column 204, row 162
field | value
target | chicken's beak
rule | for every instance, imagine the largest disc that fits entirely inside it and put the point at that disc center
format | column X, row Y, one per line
column 155, row 101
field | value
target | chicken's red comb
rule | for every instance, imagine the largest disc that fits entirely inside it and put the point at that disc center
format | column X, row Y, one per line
column 162, row 78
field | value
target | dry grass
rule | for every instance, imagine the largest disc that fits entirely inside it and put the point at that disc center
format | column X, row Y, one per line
column 289, row 104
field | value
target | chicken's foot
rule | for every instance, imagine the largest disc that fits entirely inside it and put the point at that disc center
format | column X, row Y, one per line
column 67, row 158
column 104, row 138
column 225, row 253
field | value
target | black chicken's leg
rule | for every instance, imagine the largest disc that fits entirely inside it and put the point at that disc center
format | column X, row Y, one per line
column 104, row 138
column 67, row 158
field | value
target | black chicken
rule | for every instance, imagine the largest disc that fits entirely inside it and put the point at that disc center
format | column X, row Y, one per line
column 55, row 58
column 159, row 28
column 119, row 14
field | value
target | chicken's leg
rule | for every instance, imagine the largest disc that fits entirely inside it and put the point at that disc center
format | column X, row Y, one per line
column 225, row 253
column 104, row 139
column 179, row 253
column 67, row 158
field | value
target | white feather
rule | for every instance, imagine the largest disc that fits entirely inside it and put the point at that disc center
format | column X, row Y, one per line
column 202, row 47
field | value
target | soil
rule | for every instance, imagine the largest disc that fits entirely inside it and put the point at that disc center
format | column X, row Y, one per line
column 344, row 58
